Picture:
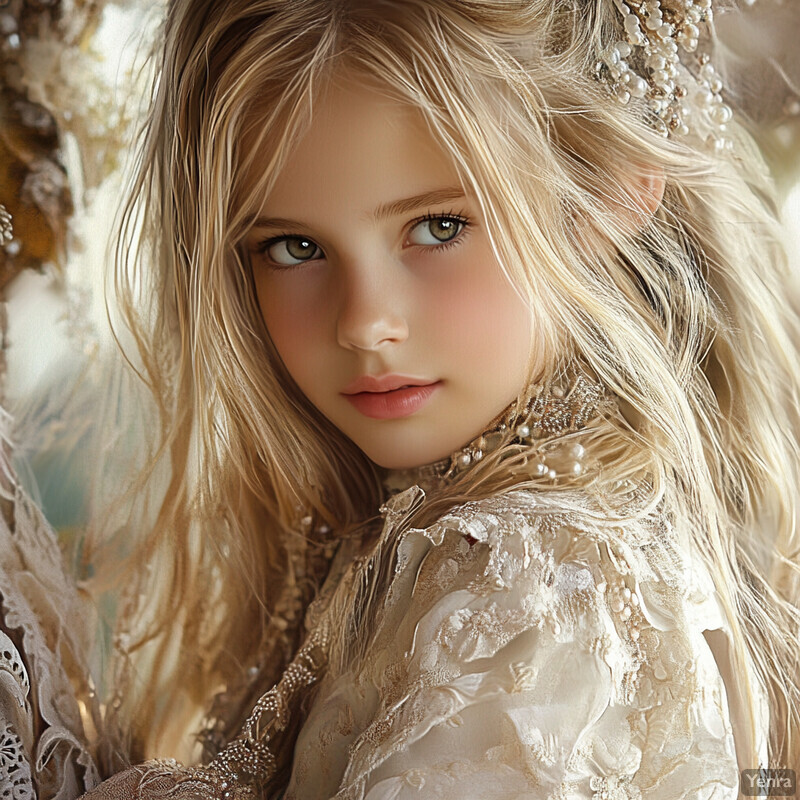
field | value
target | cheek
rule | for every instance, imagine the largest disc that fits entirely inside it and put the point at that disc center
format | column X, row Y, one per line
column 482, row 317
column 292, row 323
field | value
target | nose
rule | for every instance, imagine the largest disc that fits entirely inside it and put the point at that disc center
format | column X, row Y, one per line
column 371, row 311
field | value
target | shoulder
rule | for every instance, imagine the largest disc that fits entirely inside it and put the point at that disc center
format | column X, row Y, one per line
column 554, row 562
column 633, row 580
column 558, row 543
column 541, row 537
column 577, row 630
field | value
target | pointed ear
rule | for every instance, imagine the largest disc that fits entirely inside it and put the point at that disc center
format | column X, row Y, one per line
column 637, row 197
column 645, row 196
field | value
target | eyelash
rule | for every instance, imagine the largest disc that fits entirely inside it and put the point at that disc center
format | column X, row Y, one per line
column 263, row 247
column 451, row 216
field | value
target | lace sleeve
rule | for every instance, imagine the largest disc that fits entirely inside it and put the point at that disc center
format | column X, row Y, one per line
column 527, row 653
column 43, row 748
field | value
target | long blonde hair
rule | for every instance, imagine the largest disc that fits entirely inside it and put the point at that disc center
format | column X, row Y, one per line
column 686, row 319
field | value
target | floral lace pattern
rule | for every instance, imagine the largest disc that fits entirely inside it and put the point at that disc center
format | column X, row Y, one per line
column 529, row 648
column 614, row 788
column 15, row 774
column 43, row 748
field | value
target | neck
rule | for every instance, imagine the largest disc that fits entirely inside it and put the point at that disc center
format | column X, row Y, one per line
column 542, row 426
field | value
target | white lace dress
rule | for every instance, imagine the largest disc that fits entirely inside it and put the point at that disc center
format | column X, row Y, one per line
column 531, row 644
column 529, row 649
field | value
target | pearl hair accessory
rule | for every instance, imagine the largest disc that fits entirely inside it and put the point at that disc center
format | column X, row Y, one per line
column 658, row 63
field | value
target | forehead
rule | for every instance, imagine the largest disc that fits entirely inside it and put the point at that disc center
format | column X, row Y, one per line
column 361, row 149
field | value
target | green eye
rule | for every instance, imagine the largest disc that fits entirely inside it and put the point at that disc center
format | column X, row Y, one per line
column 292, row 250
column 436, row 230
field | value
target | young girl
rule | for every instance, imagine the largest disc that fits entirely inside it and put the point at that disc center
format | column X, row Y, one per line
column 477, row 369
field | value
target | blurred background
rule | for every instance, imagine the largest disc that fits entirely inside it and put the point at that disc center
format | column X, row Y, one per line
column 74, row 79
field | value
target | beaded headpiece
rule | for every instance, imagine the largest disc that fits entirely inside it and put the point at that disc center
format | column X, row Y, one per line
column 659, row 62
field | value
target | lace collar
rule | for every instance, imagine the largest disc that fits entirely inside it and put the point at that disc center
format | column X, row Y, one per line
column 540, row 421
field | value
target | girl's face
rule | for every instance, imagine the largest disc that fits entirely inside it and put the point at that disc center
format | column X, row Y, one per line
column 374, row 271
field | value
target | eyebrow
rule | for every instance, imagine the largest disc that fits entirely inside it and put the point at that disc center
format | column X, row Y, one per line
column 411, row 203
column 383, row 211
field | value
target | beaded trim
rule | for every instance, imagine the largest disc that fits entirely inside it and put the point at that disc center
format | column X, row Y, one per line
column 657, row 61
column 244, row 767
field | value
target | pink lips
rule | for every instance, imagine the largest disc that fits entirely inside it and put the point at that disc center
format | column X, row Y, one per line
column 390, row 396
